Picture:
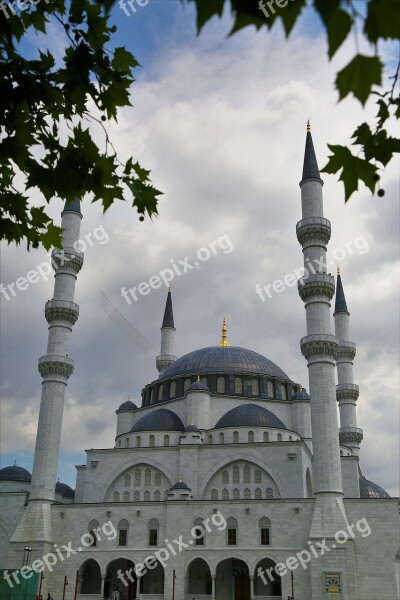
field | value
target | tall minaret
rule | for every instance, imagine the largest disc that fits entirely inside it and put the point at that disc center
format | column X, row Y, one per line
column 319, row 347
column 346, row 391
column 166, row 356
column 55, row 368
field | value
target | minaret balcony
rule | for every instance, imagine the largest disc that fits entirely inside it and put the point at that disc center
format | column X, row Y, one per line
column 346, row 351
column 319, row 345
column 53, row 364
column 163, row 361
column 67, row 258
column 320, row 284
column 61, row 310
column 313, row 230
column 349, row 436
column 347, row 391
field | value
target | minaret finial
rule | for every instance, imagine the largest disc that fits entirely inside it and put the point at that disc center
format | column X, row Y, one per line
column 308, row 125
column 198, row 376
column 170, row 288
column 338, row 270
column 224, row 340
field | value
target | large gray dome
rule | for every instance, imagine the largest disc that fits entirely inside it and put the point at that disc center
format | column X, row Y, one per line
column 15, row 473
column 249, row 415
column 369, row 489
column 159, row 420
column 217, row 359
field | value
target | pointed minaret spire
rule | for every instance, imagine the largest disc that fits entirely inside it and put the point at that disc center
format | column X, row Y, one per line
column 224, row 339
column 166, row 356
column 346, row 391
column 340, row 301
column 310, row 165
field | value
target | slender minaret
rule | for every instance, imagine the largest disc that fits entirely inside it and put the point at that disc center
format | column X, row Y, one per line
column 316, row 289
column 346, row 391
column 55, row 368
column 166, row 356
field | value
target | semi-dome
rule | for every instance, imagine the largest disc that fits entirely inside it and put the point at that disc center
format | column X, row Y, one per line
column 128, row 405
column 225, row 359
column 15, row 473
column 159, row 420
column 249, row 415
column 65, row 490
column 369, row 489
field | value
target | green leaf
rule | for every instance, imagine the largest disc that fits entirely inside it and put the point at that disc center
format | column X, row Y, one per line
column 123, row 60
column 359, row 76
column 51, row 238
column 206, row 10
column 353, row 169
column 383, row 20
column 339, row 27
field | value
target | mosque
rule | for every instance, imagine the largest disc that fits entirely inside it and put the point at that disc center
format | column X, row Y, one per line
column 227, row 480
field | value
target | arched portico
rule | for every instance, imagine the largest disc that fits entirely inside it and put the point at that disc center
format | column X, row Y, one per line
column 90, row 582
column 267, row 582
column 117, row 586
column 152, row 583
column 232, row 580
column 198, row 579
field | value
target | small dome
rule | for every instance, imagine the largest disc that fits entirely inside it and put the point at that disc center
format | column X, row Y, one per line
column 200, row 386
column 65, row 490
column 301, row 395
column 249, row 415
column 15, row 473
column 128, row 405
column 180, row 485
column 192, row 428
column 159, row 420
column 368, row 489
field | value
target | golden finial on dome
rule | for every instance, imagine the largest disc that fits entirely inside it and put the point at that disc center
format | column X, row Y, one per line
column 224, row 341
column 180, row 478
column 191, row 422
column 170, row 288
column 129, row 397
column 308, row 125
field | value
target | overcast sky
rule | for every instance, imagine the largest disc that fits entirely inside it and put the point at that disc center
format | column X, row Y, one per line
column 221, row 123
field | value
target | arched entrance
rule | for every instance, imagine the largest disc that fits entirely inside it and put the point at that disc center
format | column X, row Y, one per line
column 89, row 578
column 113, row 583
column 152, row 581
column 199, row 578
column 232, row 580
column 267, row 582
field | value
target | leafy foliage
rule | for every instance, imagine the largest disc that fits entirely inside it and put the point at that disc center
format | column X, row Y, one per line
column 362, row 77
column 46, row 109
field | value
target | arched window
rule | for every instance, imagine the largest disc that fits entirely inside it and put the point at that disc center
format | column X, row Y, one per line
column 257, row 476
column 265, row 436
column 255, row 387
column 127, row 480
column 93, row 527
column 265, row 531
column 126, row 497
column 199, row 532
column 153, row 532
column 152, row 440
column 157, row 479
column 186, row 385
column 235, row 437
column 239, row 385
column 147, row 476
column 116, row 497
column 138, row 477
column 246, row 474
column 157, row 496
column 221, row 438
column 225, row 494
column 119, row 444
column 214, row 494
column 270, row 389
column 172, row 389
column 258, row 494
column 232, row 527
column 203, row 380
column 279, row 437
column 123, row 527
column 250, row 437
column 281, row 391
column 126, row 442
column 166, row 440
column 225, row 476
column 136, row 496
column 220, row 385
column 247, row 494
column 236, row 494
column 210, row 439
column 269, row 494
column 160, row 392
column 138, row 441
column 290, row 438
column 146, row 496
column 236, row 474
